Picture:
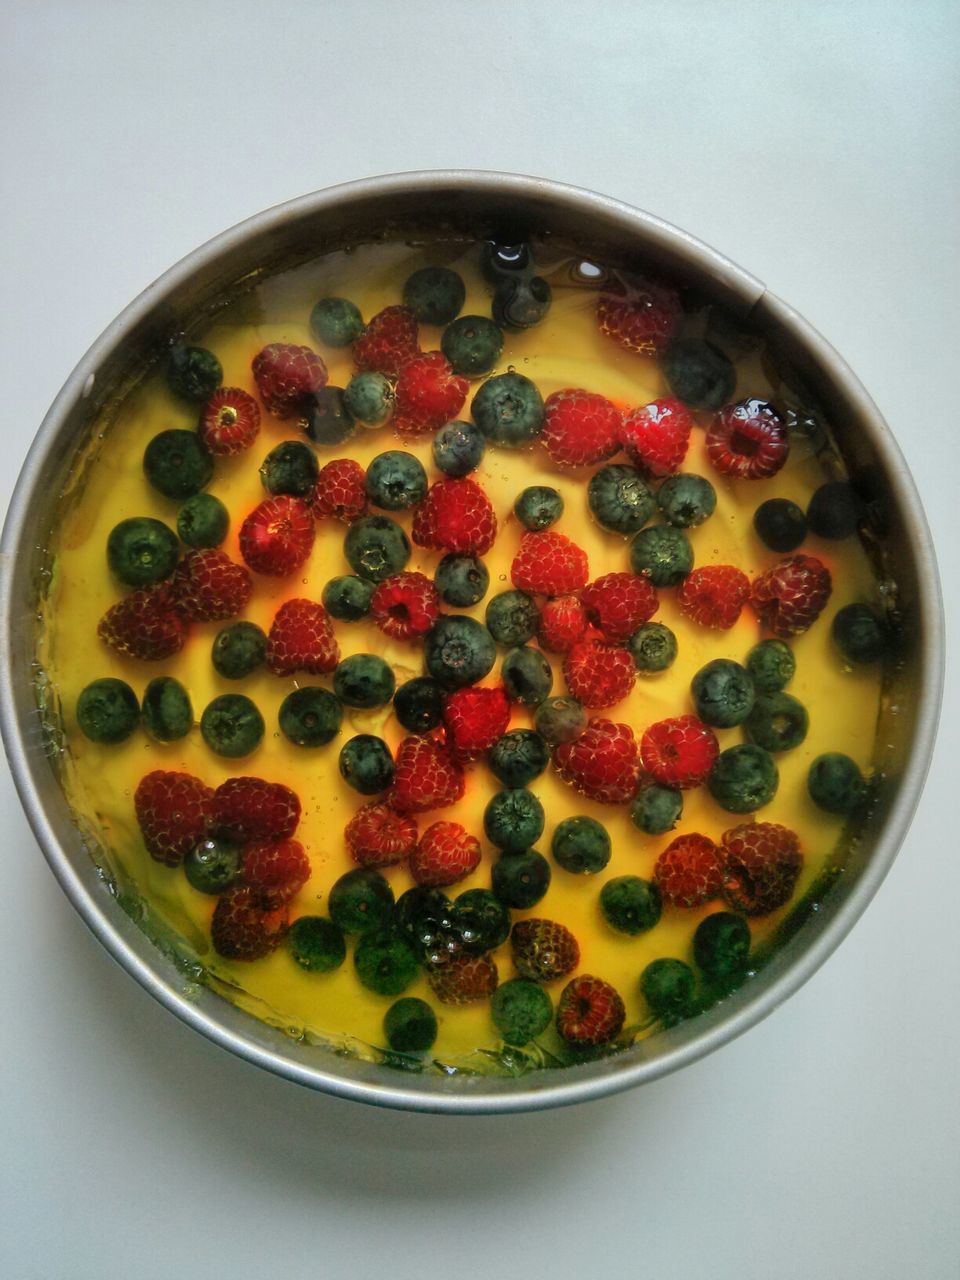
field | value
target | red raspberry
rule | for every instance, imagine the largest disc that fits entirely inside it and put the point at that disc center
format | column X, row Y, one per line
column 657, row 435
column 714, row 595
column 791, row 596
column 618, row 603
column 244, row 927
column 748, row 440
column 277, row 537
column 602, row 764
column 341, row 490
column 286, row 376
column 688, row 872
column 562, row 623
column 761, row 864
column 446, row 853
column 599, row 675
column 230, row 422
column 428, row 394
column 405, row 606
column 464, row 980
column 252, row 809
column 378, row 837
column 208, row 586
column 456, row 515
column 301, row 639
column 679, row 752
column 580, row 428
column 174, row 812
column 426, row 777
column 388, row 342
column 475, row 719
column 639, row 314
column 543, row 950
column 590, row 1012
column 549, row 564
column 276, row 869
column 145, row 624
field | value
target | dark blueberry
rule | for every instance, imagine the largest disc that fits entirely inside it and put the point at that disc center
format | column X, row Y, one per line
column 512, row 617
column 458, row 448
column 203, row 521
column 656, row 809
column 364, row 680
column 654, row 647
column 836, row 784
column 107, row 710
column 721, row 945
column 166, row 712
column 521, row 1010
column 780, row 524
column 238, row 650
column 360, row 900
column 723, row 693
column 376, row 547
column 336, row 322
column 366, row 764
column 663, row 554
column 396, row 480
column 426, row 920
column 317, row 944
column 730, row 332
column 482, row 919
column 193, row 373
column 581, row 845
column 310, row 716
column 434, row 294
column 518, row 757
column 771, row 665
column 521, row 879
column 859, row 633
column 385, row 964
column 292, row 468
column 213, row 864
column 686, row 500
column 503, row 261
column 347, row 598
column 232, row 726
column 778, row 722
column 513, row 820
column 508, row 409
column 527, row 676
column 560, row 719
column 619, row 498
column 142, row 551
column 177, row 463
column 835, row 510
column 698, row 373
column 630, row 905
column 368, row 399
column 461, row 580
column 668, row 987
column 327, row 419
column 538, row 507
column 418, row 704
column 410, row 1025
column 743, row 778
column 520, row 302
column 459, row 651
column 472, row 344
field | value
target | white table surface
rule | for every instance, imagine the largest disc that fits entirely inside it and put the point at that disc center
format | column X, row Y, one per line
column 815, row 143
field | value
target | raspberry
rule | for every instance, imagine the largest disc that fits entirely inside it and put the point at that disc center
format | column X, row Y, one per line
column 791, row 596
column 688, row 872
column 580, row 428
column 277, row 537
column 618, row 603
column 286, row 376
column 561, row 624
column 446, row 853
column 549, row 564
column 428, row 394
column 603, row 763
column 174, row 812
column 679, row 752
column 464, row 980
column 301, row 639
column 378, row 837
column 714, row 595
column 244, row 927
column 657, row 435
column 599, row 675
column 543, row 950
column 590, row 1012
column 426, row 777
column 247, row 808
column 761, row 864
column 208, row 586
column 405, row 606
column 638, row 314
column 144, row 624
column 475, row 719
column 456, row 515
column 340, row 490
column 389, row 340
column 230, row 422
column 276, row 869
column 748, row 440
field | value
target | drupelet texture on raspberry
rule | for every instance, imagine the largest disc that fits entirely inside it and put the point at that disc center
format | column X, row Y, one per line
column 145, row 624
column 580, row 428
column 248, row 808
column 174, row 811
column 688, row 872
column 603, row 763
column 619, row 603
column 657, row 435
column 475, row 718
column 208, row 586
column 405, row 606
column 599, row 675
column 549, row 564
column 277, row 536
column 791, row 596
column 426, row 776
column 286, row 376
column 301, row 639
column 377, row 836
column 340, row 490
column 428, row 394
column 388, row 342
column 679, row 752
column 446, row 853
column 457, row 516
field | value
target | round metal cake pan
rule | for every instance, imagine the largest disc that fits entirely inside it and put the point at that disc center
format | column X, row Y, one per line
column 476, row 204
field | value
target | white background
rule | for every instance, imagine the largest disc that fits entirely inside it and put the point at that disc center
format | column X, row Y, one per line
column 816, row 144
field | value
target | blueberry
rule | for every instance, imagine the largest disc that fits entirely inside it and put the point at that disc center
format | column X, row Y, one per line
column 581, row 845
column 310, row 716
column 721, row 946
column 238, row 650
column 166, row 713
column 482, row 919
column 434, row 294
column 663, row 554
column 461, row 580
column 731, row 333
column 778, row 722
column 560, row 719
column 107, row 710
column 685, row 501
column 336, row 322
column 668, row 987
column 527, row 676
column 771, row 665
column 698, row 373
column 291, row 468
column 426, row 920
column 327, row 419
column 836, row 784
column 385, row 964
column 177, row 463
column 538, row 507
column 364, row 680
column 232, row 726
column 654, row 810
column 723, row 693
column 508, row 409
column 368, row 399
column 360, row 900
column 203, row 521
column 521, row 1010
column 859, row 633
column 142, row 551
column 619, row 498
column 630, row 905
column 347, row 598
column 503, row 261
column 316, row 944
column 472, row 344
column 512, row 617
column 743, row 778
column 835, row 510
column 396, row 480
column 459, row 651
column 521, row 879
column 458, row 448
column 518, row 757
column 513, row 820
column 213, row 864
column 780, row 524
column 654, row 647
column 193, row 373
column 520, row 302
column 376, row 547
column 366, row 764
column 410, row 1025
column 418, row 704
